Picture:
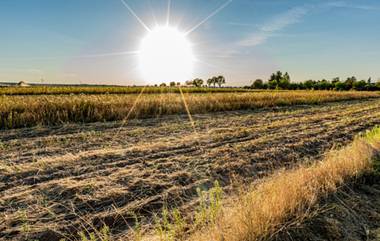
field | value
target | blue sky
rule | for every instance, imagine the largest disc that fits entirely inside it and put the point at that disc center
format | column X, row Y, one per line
column 81, row 41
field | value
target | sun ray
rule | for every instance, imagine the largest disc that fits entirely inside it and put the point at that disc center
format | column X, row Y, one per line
column 153, row 15
column 216, row 11
column 110, row 54
column 135, row 15
column 107, row 54
column 168, row 13
column 126, row 119
column 188, row 111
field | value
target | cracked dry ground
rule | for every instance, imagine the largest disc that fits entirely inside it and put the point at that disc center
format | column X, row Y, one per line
column 69, row 178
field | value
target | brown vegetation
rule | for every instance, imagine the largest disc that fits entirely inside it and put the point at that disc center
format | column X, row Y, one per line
column 92, row 90
column 27, row 111
column 263, row 211
column 58, row 181
column 350, row 214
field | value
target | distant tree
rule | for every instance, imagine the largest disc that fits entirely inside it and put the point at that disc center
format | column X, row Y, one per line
column 210, row 81
column 323, row 85
column 378, row 84
column 284, row 82
column 335, row 80
column 360, row 85
column 198, row 82
column 162, row 85
column 214, row 80
column 286, row 77
column 350, row 82
column 258, row 84
column 309, row 84
column 178, row 83
column 279, row 81
column 301, row 86
column 274, row 80
column 340, row 86
column 294, row 86
column 220, row 80
column 172, row 84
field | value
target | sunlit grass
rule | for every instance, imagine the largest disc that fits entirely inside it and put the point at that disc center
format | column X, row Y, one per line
column 26, row 111
column 265, row 209
column 89, row 90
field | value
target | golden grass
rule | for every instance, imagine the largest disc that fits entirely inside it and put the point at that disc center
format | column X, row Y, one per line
column 62, row 90
column 25, row 111
column 266, row 208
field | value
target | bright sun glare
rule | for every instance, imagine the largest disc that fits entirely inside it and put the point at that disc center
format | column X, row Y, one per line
column 166, row 55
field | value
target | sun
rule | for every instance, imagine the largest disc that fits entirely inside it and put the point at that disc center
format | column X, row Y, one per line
column 166, row 55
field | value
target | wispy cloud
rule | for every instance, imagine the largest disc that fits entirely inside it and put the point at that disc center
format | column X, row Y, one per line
column 243, row 24
column 344, row 4
column 288, row 18
column 276, row 24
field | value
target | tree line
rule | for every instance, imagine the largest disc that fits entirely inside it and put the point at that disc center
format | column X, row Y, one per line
column 282, row 81
column 213, row 81
column 198, row 82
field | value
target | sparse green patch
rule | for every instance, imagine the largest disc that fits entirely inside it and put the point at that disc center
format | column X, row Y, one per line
column 97, row 235
column 171, row 225
column 210, row 203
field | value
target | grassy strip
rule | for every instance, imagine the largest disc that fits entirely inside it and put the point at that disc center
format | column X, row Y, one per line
column 92, row 90
column 27, row 111
column 290, row 194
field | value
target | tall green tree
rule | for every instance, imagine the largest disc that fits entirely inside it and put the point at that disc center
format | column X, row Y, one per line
column 279, row 81
column 258, row 84
column 350, row 81
column 360, row 85
column 284, row 82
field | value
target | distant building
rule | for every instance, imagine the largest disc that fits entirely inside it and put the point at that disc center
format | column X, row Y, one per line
column 22, row 84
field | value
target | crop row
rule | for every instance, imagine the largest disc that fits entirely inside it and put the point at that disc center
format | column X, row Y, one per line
column 65, row 90
column 26, row 111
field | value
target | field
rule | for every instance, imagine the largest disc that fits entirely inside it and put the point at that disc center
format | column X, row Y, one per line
column 27, row 111
column 59, row 177
column 91, row 90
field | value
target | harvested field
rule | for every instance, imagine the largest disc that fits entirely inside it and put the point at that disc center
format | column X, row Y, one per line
column 90, row 90
column 77, row 177
column 351, row 214
column 28, row 111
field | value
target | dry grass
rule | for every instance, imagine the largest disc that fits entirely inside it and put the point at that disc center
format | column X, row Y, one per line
column 65, row 90
column 57, row 182
column 264, row 210
column 26, row 111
